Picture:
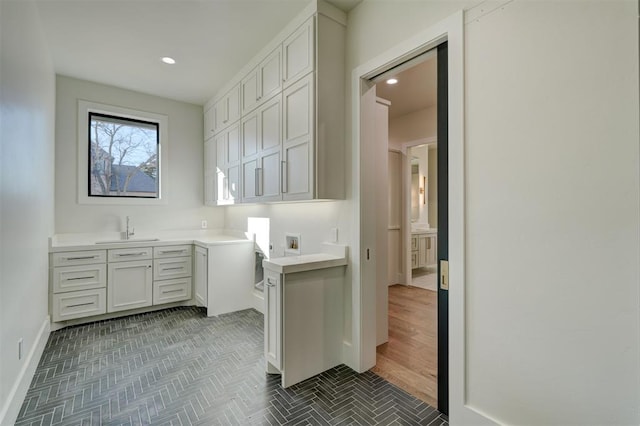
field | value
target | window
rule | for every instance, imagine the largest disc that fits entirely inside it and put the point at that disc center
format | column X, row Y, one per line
column 123, row 157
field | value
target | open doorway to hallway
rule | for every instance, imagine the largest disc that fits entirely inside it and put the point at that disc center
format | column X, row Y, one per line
column 408, row 356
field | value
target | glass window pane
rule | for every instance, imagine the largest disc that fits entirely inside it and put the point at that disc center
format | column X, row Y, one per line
column 123, row 157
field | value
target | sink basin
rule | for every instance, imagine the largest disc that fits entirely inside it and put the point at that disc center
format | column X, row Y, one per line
column 136, row 240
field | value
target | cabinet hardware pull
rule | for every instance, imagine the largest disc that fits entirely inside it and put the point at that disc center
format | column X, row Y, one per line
column 171, row 291
column 283, row 177
column 172, row 251
column 80, row 304
column 81, row 257
column 78, row 278
column 131, row 254
column 173, row 269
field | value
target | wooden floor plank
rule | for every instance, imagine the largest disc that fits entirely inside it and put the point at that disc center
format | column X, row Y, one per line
column 410, row 358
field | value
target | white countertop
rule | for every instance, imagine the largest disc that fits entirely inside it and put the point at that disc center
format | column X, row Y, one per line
column 333, row 255
column 96, row 241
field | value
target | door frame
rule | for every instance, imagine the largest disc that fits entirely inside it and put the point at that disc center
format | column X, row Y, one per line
column 362, row 348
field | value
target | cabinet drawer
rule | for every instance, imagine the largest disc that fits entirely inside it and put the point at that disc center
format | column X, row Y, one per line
column 79, row 304
column 414, row 260
column 140, row 253
column 73, row 278
column 172, row 251
column 168, row 291
column 70, row 258
column 171, row 268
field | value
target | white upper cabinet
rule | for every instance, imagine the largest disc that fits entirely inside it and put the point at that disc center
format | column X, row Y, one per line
column 298, row 53
column 263, row 82
column 227, row 109
column 291, row 132
column 228, row 165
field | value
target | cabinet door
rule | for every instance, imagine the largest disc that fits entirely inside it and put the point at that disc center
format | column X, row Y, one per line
column 233, row 104
column 270, row 75
column 210, row 155
column 233, row 144
column 249, row 180
column 270, row 125
column 249, row 135
column 273, row 319
column 201, row 276
column 298, row 110
column 431, row 250
column 298, row 53
column 249, row 92
column 422, row 251
column 297, row 174
column 209, row 123
column 210, row 179
column 129, row 285
column 233, row 184
column 269, row 176
column 221, row 113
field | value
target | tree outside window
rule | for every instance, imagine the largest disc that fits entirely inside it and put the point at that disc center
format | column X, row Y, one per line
column 123, row 157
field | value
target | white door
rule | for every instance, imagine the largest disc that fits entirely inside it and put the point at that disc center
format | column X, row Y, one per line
column 269, row 176
column 297, row 172
column 129, row 285
column 270, row 125
column 233, row 184
column 249, row 135
column 381, row 148
column 249, row 92
column 250, row 180
column 233, row 104
column 368, row 217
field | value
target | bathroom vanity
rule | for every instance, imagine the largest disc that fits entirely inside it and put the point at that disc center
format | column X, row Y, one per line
column 424, row 247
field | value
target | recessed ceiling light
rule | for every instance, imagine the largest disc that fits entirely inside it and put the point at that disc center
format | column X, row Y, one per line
column 392, row 81
column 168, row 60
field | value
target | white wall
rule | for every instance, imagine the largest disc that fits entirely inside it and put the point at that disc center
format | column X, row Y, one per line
column 27, row 98
column 552, row 247
column 416, row 125
column 185, row 208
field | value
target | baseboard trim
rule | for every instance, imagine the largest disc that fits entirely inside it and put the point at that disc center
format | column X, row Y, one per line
column 19, row 390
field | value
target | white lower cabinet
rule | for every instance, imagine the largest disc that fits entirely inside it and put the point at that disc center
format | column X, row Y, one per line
column 424, row 250
column 273, row 320
column 129, row 285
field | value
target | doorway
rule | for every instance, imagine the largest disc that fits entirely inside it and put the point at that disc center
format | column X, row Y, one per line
column 406, row 164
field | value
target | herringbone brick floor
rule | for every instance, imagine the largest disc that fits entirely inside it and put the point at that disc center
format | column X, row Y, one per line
column 178, row 367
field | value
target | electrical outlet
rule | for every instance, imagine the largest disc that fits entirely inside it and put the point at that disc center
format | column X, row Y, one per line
column 20, row 340
column 204, row 224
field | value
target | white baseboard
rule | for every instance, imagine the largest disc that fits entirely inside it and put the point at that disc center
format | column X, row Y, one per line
column 19, row 390
column 258, row 301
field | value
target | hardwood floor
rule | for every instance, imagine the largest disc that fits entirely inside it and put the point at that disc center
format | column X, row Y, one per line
column 410, row 358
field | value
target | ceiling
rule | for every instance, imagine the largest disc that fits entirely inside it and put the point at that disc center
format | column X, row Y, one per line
column 416, row 88
column 120, row 43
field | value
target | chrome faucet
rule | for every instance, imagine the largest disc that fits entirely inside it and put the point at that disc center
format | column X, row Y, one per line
column 128, row 233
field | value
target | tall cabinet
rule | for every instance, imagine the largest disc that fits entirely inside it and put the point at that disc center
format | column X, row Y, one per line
column 290, row 123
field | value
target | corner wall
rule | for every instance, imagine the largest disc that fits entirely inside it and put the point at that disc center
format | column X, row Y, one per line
column 27, row 101
column 184, row 192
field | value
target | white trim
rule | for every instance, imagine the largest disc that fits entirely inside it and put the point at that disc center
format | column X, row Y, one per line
column 425, row 141
column 84, row 107
column 19, row 389
column 452, row 30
